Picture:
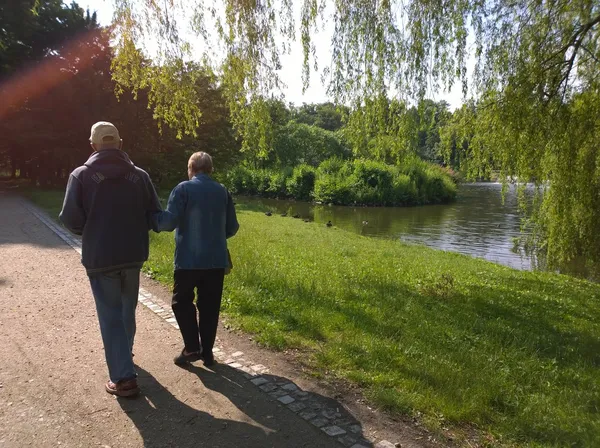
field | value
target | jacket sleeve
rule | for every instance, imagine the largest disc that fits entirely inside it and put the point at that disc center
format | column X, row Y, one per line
column 232, row 225
column 153, row 208
column 168, row 220
column 154, row 201
column 72, row 214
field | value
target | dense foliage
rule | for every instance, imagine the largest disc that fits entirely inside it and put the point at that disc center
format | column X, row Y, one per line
column 535, row 84
column 55, row 78
column 535, row 79
column 298, row 143
column 389, row 130
column 68, row 86
column 346, row 182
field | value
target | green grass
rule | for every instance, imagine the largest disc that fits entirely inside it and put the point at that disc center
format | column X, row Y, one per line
column 465, row 343
column 49, row 200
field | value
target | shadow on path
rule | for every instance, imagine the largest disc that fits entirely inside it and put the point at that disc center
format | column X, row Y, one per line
column 164, row 421
column 18, row 225
column 317, row 410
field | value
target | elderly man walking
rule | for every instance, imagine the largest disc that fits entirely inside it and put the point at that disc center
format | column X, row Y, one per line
column 202, row 212
column 109, row 202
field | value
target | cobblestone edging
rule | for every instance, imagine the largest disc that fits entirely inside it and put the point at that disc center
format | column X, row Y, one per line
column 347, row 431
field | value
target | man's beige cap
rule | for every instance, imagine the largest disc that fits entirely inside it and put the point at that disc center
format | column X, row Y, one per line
column 104, row 133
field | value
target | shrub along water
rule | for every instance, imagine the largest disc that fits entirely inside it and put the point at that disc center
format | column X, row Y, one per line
column 345, row 182
column 302, row 182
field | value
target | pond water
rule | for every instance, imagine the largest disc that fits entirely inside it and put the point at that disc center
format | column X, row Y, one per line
column 479, row 223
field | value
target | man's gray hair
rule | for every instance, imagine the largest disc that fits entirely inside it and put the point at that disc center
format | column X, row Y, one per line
column 200, row 162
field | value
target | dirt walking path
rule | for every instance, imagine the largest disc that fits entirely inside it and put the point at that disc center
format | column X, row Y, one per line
column 52, row 370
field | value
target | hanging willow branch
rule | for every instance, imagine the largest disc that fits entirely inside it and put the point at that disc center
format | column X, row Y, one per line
column 532, row 66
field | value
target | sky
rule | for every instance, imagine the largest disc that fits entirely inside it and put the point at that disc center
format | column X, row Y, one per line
column 291, row 73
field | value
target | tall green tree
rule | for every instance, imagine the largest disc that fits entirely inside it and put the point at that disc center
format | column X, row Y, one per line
column 66, row 39
column 299, row 143
column 52, row 94
column 455, row 142
column 33, row 29
column 326, row 116
column 431, row 117
column 535, row 76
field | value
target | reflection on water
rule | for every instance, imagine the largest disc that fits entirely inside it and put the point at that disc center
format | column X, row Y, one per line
column 479, row 223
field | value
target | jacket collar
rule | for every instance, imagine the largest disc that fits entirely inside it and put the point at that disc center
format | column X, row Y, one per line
column 102, row 156
column 201, row 176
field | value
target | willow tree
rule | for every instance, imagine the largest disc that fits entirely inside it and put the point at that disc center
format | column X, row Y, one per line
column 535, row 78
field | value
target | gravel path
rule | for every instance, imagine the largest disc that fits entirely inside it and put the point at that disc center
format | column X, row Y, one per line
column 52, row 370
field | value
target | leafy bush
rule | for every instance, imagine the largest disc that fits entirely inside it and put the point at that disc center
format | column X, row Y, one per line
column 236, row 180
column 374, row 182
column 302, row 182
column 374, row 174
column 438, row 187
column 345, row 182
column 261, row 180
column 416, row 169
column 433, row 183
column 404, row 190
column 333, row 189
column 278, row 183
column 331, row 166
column 298, row 143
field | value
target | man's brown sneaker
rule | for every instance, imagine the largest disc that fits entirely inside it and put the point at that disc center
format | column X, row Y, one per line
column 125, row 388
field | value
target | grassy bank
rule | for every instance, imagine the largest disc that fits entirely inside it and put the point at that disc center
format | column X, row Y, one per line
column 462, row 341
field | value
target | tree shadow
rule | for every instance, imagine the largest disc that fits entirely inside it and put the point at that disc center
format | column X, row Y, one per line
column 438, row 338
column 18, row 225
column 546, row 331
column 313, row 408
column 164, row 421
column 31, row 232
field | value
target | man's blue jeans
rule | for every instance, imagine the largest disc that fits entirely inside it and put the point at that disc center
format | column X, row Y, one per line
column 116, row 296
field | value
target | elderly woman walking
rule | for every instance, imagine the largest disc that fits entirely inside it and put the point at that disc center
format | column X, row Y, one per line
column 202, row 213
